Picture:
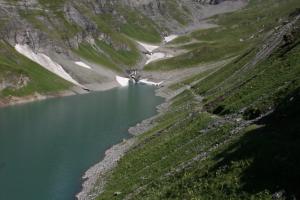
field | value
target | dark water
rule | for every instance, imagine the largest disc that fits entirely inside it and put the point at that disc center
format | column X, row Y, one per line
column 46, row 146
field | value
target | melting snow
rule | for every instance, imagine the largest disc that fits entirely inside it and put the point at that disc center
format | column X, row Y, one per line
column 122, row 81
column 145, row 81
column 148, row 47
column 83, row 65
column 45, row 62
column 155, row 56
column 170, row 38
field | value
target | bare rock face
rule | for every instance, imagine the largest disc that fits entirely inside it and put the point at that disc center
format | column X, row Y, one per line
column 74, row 16
column 13, row 81
column 20, row 30
column 161, row 12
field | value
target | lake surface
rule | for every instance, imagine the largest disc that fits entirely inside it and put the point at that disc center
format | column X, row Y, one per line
column 46, row 146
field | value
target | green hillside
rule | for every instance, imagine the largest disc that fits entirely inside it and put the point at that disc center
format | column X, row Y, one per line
column 13, row 66
column 218, row 139
column 236, row 33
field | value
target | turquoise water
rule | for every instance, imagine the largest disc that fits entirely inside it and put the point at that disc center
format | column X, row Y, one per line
column 46, row 146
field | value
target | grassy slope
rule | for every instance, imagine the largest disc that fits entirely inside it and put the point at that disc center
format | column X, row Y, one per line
column 133, row 25
column 139, row 27
column 136, row 26
column 178, row 12
column 232, row 36
column 193, row 154
column 108, row 54
column 41, row 80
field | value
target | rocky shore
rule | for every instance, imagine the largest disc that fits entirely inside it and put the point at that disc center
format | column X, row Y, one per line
column 94, row 179
column 97, row 174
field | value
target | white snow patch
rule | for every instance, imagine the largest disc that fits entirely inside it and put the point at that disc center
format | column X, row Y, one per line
column 169, row 56
column 153, row 56
column 170, row 38
column 45, row 62
column 145, row 81
column 82, row 64
column 157, row 56
column 122, row 81
column 148, row 47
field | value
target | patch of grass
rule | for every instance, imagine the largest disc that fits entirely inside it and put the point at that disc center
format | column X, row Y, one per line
column 194, row 45
column 178, row 12
column 125, row 57
column 183, row 99
column 204, row 54
column 181, row 39
column 53, row 4
column 260, row 87
column 191, row 79
column 221, row 75
column 139, row 27
column 92, row 54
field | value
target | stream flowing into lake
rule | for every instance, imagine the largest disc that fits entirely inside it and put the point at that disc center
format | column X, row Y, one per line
column 46, row 146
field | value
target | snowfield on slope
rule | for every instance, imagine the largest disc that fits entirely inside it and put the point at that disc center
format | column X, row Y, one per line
column 157, row 56
column 122, row 81
column 170, row 38
column 45, row 62
column 148, row 47
column 154, row 56
column 82, row 64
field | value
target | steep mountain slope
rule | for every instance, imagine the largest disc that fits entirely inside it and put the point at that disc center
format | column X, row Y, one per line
column 92, row 41
column 20, row 76
column 232, row 132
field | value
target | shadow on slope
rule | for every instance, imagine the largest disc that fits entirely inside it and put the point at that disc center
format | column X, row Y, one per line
column 271, row 153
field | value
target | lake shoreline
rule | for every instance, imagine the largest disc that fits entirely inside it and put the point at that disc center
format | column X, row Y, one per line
column 14, row 100
column 75, row 90
column 94, row 179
